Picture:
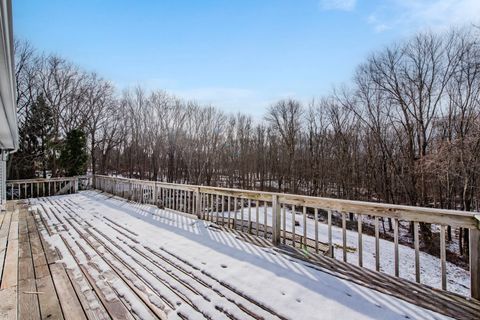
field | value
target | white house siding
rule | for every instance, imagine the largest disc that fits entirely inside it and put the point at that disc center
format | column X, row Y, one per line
column 8, row 114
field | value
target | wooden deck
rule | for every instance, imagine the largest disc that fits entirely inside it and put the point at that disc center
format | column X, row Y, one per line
column 35, row 284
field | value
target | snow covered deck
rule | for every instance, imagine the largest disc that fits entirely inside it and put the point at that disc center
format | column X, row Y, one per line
column 91, row 256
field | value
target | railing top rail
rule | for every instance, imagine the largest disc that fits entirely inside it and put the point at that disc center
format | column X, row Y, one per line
column 411, row 213
column 43, row 180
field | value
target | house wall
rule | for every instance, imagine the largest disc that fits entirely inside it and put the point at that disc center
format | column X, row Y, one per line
column 3, row 178
column 8, row 109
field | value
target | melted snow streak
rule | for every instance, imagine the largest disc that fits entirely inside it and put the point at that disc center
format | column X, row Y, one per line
column 160, row 264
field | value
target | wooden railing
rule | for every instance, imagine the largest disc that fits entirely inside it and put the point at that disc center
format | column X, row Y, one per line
column 33, row 188
column 277, row 216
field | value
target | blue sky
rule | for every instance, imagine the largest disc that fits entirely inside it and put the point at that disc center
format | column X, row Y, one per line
column 239, row 55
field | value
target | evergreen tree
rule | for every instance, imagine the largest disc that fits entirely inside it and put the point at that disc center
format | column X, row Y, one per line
column 74, row 156
column 36, row 136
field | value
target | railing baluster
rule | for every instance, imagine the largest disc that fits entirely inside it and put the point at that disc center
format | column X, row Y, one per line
column 293, row 225
column 179, row 200
column 165, row 197
column 235, row 213
column 330, row 242
column 377, row 244
column 202, row 206
column 241, row 213
column 207, row 206
column 187, row 201
column 304, row 227
column 164, row 204
column 212, row 207
column 257, row 203
column 190, row 202
column 216, row 209
column 229, row 211
column 265, row 217
column 284, row 221
column 316, row 229
column 176, row 199
column 223, row 210
column 416, row 241
column 360, row 244
column 443, row 257
column 168, row 199
column 395, row 237
column 249, row 216
column 344, row 236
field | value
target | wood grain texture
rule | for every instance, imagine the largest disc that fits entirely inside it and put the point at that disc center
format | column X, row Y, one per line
column 48, row 299
column 8, row 305
column 69, row 302
column 28, row 307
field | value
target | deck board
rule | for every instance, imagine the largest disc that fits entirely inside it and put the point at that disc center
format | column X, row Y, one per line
column 48, row 300
column 8, row 305
column 68, row 299
column 106, row 278
column 9, row 276
column 4, row 229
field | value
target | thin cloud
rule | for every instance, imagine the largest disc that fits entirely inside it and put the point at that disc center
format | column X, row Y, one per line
column 412, row 15
column 378, row 26
column 343, row 5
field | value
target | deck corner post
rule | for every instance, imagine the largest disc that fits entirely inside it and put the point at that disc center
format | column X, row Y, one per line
column 276, row 220
column 197, row 203
column 475, row 262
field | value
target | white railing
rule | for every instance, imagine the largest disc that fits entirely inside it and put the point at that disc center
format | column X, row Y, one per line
column 277, row 216
column 33, row 188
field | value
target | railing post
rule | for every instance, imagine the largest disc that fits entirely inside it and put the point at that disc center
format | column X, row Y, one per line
column 75, row 185
column 276, row 219
column 475, row 260
column 197, row 203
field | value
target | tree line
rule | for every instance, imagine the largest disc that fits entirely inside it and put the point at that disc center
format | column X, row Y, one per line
column 405, row 130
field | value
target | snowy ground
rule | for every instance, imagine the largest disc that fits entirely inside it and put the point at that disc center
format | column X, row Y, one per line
column 236, row 269
column 458, row 279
